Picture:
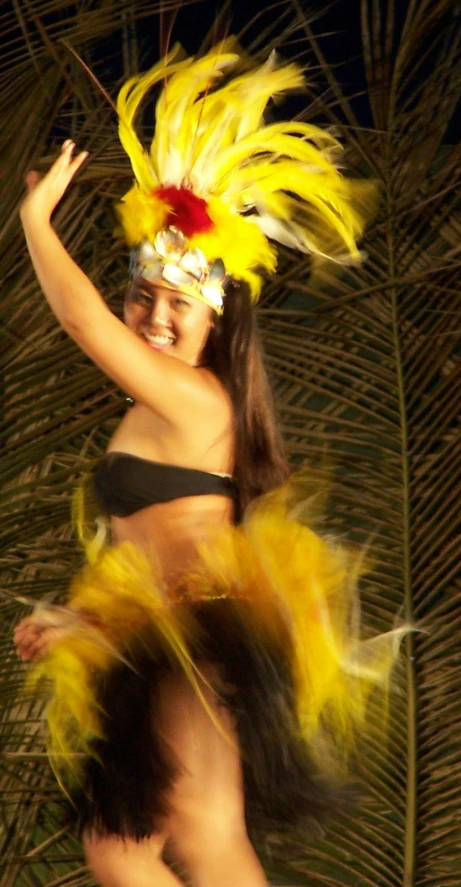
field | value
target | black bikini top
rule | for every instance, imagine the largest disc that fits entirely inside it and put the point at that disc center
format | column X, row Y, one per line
column 124, row 484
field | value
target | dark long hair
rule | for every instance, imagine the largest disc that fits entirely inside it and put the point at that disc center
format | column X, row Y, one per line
column 233, row 351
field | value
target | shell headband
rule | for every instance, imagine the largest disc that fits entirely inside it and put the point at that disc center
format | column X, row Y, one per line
column 217, row 184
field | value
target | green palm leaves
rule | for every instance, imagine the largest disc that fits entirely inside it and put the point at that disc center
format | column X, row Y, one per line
column 366, row 365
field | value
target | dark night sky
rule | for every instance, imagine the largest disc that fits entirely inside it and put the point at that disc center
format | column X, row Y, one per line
column 336, row 24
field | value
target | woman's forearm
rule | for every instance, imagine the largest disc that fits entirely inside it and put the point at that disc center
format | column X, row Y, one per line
column 69, row 292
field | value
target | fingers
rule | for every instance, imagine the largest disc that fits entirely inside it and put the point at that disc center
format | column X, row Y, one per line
column 66, row 163
column 77, row 161
column 39, row 647
column 67, row 151
column 24, row 625
column 29, row 623
column 28, row 634
column 26, row 638
column 33, row 641
column 32, row 180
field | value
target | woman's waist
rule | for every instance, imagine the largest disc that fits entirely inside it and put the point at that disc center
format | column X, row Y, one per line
column 169, row 534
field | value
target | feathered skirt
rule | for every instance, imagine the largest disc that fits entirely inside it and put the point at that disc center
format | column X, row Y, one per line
column 272, row 606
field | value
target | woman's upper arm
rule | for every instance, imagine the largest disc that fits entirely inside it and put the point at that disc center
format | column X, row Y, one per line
column 169, row 386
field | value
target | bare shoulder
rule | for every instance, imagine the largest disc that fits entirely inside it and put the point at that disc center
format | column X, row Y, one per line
column 201, row 436
column 198, row 400
column 216, row 391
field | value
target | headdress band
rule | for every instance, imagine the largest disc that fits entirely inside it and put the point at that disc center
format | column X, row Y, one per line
column 169, row 261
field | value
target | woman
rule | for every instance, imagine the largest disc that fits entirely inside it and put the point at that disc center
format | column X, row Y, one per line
column 199, row 685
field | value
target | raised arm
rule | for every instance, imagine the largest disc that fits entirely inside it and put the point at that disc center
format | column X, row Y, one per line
column 168, row 386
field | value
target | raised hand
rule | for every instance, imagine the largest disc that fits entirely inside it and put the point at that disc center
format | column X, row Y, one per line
column 45, row 193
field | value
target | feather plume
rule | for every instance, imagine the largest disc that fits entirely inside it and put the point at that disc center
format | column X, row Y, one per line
column 211, row 139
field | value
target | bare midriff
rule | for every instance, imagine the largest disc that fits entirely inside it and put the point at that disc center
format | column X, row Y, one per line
column 169, row 533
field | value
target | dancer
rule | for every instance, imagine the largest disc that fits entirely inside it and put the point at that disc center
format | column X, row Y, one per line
column 203, row 661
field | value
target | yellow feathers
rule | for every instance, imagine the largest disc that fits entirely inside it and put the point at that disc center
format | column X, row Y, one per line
column 210, row 137
column 293, row 575
column 300, row 594
column 115, row 602
column 142, row 215
column 240, row 241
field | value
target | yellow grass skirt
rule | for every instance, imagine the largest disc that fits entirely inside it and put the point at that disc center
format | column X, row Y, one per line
column 274, row 606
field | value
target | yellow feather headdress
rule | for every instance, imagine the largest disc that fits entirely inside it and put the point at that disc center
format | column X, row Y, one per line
column 217, row 183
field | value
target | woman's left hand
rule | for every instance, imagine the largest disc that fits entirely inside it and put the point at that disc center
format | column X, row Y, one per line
column 45, row 193
column 32, row 636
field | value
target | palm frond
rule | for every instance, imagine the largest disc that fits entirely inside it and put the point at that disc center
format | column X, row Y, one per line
column 366, row 364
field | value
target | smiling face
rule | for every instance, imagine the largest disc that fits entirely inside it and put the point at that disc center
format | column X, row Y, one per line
column 167, row 320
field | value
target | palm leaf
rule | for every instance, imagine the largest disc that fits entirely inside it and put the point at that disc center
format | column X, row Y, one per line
column 366, row 367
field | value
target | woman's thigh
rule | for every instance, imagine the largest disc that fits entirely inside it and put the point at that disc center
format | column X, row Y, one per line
column 117, row 862
column 205, row 744
column 207, row 800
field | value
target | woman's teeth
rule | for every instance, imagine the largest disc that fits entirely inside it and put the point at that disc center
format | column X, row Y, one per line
column 159, row 341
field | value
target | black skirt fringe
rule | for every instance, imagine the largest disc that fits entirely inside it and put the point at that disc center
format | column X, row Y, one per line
column 272, row 607
column 131, row 772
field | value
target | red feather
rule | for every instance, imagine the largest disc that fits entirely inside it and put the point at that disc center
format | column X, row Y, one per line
column 189, row 213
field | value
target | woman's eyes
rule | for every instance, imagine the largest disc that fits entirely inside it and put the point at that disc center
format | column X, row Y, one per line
column 145, row 299
column 141, row 298
column 181, row 303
